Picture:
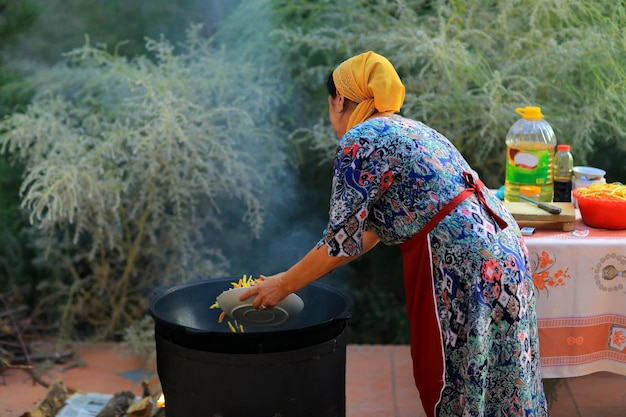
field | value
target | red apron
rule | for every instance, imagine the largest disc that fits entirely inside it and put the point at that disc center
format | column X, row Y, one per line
column 426, row 339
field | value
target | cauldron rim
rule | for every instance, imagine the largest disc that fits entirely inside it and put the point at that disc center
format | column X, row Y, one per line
column 217, row 335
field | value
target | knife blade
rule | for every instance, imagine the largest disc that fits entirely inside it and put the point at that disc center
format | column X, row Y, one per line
column 544, row 206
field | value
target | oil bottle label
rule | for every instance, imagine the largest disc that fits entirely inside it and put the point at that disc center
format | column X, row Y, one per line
column 528, row 166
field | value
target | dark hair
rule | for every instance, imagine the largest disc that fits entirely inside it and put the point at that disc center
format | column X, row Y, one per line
column 330, row 85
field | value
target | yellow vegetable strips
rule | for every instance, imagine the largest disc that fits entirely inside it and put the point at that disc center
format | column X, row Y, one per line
column 613, row 191
column 245, row 281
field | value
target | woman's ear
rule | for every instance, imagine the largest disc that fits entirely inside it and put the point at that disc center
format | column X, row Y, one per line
column 337, row 103
column 341, row 102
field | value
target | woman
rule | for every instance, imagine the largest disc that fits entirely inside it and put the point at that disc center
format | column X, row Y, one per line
column 469, row 292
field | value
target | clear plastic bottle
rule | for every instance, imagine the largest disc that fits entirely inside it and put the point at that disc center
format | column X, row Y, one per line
column 563, row 165
column 531, row 191
column 530, row 155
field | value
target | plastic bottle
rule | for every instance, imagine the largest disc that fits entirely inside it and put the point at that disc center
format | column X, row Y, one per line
column 531, row 191
column 563, row 164
column 530, row 155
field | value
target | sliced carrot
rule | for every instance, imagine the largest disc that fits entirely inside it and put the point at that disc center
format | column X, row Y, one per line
column 610, row 191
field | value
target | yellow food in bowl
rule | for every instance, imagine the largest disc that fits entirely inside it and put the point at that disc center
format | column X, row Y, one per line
column 611, row 191
column 602, row 205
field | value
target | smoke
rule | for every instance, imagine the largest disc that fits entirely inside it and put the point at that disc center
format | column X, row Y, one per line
column 295, row 206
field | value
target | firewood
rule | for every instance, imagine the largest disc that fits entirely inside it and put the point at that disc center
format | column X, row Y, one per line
column 142, row 409
column 146, row 389
column 52, row 402
column 55, row 357
column 118, row 405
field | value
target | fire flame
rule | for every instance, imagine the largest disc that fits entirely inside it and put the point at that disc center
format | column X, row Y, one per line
column 161, row 401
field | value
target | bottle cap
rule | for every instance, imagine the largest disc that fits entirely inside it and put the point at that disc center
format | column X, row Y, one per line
column 530, row 190
column 530, row 113
column 563, row 148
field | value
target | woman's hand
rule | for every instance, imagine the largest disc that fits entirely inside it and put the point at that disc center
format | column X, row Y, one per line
column 269, row 291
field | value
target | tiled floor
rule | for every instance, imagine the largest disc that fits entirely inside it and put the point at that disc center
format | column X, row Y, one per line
column 379, row 383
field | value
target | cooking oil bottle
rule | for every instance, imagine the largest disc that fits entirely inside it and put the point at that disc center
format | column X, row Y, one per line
column 530, row 154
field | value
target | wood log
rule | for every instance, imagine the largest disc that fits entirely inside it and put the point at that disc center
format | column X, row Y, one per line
column 118, row 405
column 55, row 357
column 52, row 402
column 146, row 389
column 142, row 409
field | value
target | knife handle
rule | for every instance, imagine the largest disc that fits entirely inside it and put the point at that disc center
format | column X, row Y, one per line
column 549, row 208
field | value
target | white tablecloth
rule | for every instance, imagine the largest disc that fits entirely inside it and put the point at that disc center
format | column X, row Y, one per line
column 580, row 284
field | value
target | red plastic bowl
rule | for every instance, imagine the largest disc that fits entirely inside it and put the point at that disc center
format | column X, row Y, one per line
column 601, row 213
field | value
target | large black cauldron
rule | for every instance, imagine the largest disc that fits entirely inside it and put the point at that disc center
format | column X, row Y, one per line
column 294, row 369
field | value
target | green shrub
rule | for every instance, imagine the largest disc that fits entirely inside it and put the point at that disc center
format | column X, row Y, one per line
column 132, row 163
column 466, row 66
column 132, row 167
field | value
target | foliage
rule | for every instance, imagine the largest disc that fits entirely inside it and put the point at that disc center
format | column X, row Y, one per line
column 61, row 25
column 468, row 64
column 139, row 339
column 109, row 128
column 133, row 166
column 15, row 16
column 15, row 253
column 379, row 311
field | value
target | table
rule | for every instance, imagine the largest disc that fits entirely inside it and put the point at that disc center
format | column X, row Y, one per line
column 580, row 287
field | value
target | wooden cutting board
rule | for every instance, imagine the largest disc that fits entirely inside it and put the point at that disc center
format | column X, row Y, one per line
column 528, row 214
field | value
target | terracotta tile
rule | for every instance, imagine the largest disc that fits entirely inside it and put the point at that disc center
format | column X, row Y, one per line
column 563, row 409
column 564, row 412
column 369, row 360
column 368, row 377
column 376, row 394
column 563, row 405
column 602, row 411
column 103, row 372
column 408, row 398
column 18, row 395
column 381, row 378
column 410, row 412
column 379, row 383
column 602, row 389
column 406, row 394
column 362, row 411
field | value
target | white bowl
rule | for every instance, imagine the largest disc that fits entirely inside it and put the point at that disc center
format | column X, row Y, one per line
column 243, row 312
column 588, row 173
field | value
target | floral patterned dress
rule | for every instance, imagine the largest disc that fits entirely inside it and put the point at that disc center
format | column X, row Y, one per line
column 474, row 338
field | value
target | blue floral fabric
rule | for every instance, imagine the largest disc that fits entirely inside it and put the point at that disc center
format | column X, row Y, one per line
column 391, row 175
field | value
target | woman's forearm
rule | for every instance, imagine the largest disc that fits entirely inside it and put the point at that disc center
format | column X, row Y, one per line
column 318, row 263
column 315, row 264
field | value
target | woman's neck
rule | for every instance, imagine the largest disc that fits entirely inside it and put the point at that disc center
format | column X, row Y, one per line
column 381, row 114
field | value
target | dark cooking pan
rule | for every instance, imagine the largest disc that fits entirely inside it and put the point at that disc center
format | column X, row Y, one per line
column 183, row 316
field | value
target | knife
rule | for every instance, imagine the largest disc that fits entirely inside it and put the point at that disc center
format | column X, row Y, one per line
column 544, row 206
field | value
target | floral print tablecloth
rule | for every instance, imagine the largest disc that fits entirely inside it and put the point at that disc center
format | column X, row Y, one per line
column 580, row 282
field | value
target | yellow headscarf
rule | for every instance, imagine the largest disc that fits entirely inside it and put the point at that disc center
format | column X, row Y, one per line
column 371, row 81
